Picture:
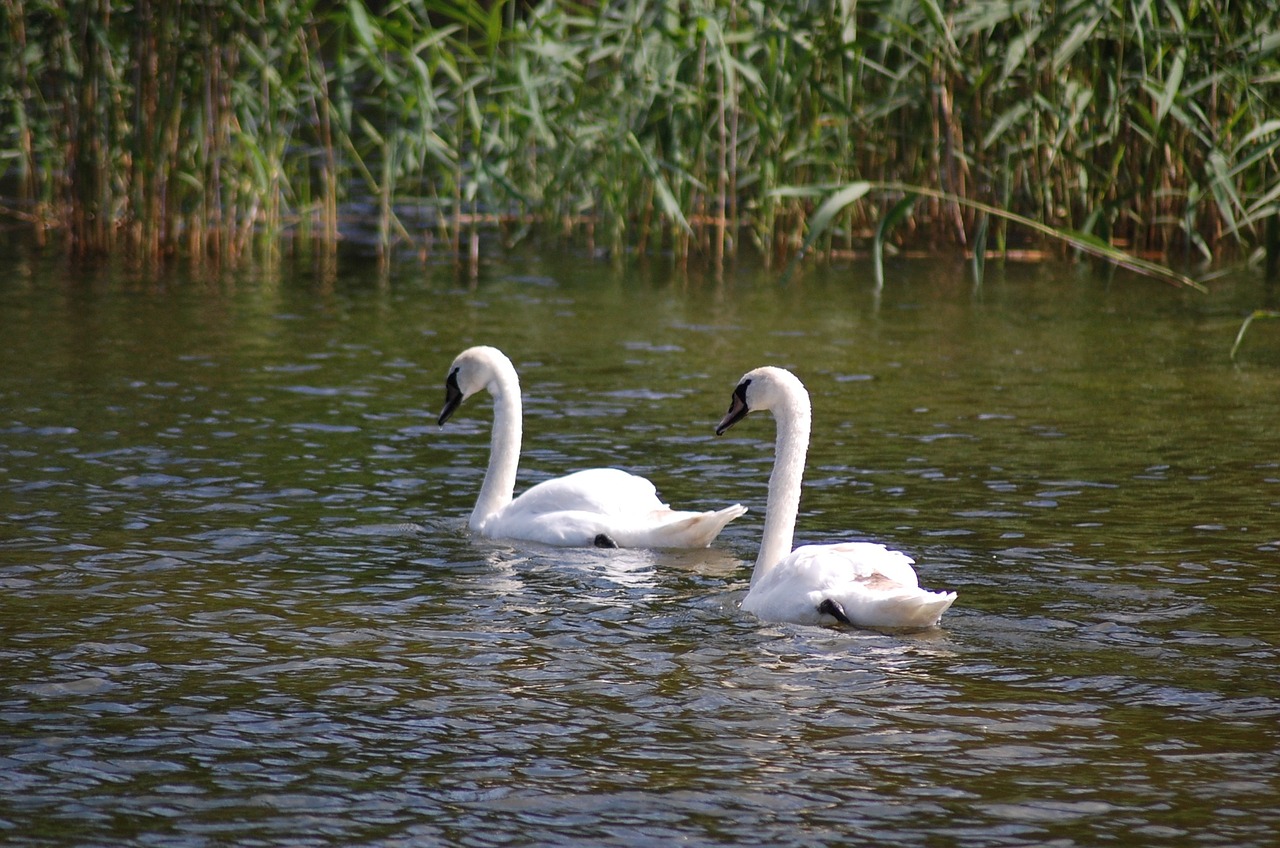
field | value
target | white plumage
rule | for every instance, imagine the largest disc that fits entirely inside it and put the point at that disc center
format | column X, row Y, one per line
column 859, row 583
column 599, row 506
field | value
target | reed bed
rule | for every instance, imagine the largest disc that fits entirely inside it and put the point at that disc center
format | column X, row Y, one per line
column 698, row 128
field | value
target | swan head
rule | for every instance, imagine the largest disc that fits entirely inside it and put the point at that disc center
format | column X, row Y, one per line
column 761, row 389
column 476, row 368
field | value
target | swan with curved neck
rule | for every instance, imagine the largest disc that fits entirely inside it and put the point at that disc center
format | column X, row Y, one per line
column 602, row 507
column 858, row 583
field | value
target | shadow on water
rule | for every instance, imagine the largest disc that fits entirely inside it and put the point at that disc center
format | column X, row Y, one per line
column 240, row 603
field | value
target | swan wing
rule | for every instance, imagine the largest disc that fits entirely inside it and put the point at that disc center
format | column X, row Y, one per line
column 578, row 508
column 859, row 560
column 607, row 491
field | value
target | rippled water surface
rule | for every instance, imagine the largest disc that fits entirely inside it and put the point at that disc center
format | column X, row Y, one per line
column 239, row 604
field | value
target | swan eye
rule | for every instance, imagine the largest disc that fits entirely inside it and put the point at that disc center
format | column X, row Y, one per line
column 741, row 391
column 451, row 383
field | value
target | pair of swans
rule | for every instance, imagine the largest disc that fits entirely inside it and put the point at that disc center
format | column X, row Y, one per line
column 856, row 583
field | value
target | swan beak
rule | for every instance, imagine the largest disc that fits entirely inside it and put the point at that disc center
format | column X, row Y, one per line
column 737, row 409
column 452, row 398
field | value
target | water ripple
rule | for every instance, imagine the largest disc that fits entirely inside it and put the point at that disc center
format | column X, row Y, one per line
column 240, row 608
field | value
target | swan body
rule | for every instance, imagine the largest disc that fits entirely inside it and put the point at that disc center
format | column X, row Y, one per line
column 604, row 507
column 858, row 583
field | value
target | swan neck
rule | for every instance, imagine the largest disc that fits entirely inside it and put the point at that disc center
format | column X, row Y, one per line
column 783, row 505
column 499, row 484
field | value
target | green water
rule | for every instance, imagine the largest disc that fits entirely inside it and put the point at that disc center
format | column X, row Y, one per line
column 240, row 604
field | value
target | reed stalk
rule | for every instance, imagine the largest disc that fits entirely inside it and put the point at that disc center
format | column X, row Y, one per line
column 223, row 130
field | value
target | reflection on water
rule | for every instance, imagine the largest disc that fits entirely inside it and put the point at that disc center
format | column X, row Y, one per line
column 240, row 605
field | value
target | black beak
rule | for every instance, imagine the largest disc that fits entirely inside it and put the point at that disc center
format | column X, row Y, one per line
column 452, row 397
column 737, row 408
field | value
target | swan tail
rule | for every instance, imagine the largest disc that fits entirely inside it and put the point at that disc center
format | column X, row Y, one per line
column 915, row 609
column 686, row 530
column 700, row 530
column 930, row 606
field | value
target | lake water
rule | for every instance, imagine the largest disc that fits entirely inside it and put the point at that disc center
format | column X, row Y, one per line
column 239, row 604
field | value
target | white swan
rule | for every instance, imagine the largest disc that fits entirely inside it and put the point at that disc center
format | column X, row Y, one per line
column 858, row 583
column 604, row 507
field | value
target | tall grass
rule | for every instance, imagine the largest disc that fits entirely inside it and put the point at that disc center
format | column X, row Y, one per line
column 696, row 127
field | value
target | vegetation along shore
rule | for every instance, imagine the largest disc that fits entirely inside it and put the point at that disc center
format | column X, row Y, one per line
column 702, row 128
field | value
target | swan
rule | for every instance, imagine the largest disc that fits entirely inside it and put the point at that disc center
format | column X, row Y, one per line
column 857, row 583
column 601, row 507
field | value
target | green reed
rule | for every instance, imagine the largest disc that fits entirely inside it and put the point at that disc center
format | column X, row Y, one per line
column 225, row 129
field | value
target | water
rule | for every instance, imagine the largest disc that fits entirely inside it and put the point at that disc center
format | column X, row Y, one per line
column 240, row 605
